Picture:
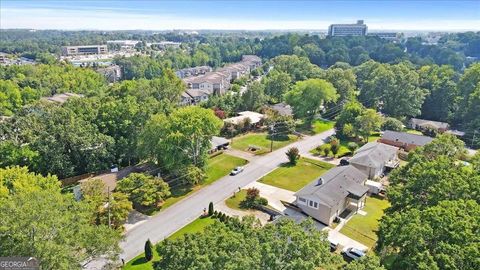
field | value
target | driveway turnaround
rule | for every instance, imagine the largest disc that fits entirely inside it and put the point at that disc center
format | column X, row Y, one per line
column 185, row 211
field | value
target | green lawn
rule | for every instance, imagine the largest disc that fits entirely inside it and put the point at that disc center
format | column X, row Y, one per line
column 261, row 140
column 363, row 228
column 139, row 263
column 295, row 177
column 234, row 202
column 221, row 165
column 413, row 131
column 374, row 137
column 217, row 167
column 317, row 126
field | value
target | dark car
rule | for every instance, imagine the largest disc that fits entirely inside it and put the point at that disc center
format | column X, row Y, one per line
column 344, row 162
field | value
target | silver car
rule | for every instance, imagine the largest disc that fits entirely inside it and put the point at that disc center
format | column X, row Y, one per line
column 353, row 253
column 237, row 170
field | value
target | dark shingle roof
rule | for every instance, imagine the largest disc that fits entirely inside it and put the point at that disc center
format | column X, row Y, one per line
column 337, row 184
column 408, row 138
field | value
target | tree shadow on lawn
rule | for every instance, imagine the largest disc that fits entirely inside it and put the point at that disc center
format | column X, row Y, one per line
column 139, row 261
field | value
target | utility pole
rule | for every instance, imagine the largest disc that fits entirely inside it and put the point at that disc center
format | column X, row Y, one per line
column 108, row 205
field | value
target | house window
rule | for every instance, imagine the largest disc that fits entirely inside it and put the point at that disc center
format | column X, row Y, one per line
column 302, row 200
column 313, row 204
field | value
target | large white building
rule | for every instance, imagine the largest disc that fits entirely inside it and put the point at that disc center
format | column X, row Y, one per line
column 84, row 50
column 342, row 30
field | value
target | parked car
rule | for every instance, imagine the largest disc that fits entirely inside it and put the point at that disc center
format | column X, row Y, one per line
column 353, row 253
column 237, row 170
column 344, row 162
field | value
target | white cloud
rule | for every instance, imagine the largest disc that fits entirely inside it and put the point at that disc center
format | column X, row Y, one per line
column 117, row 20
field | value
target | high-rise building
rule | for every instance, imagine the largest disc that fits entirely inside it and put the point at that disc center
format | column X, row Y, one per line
column 341, row 30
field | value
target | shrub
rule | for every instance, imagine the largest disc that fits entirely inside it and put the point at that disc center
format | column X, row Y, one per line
column 392, row 124
column 261, row 201
column 210, row 208
column 326, row 149
column 148, row 250
column 335, row 146
column 293, row 155
column 352, row 146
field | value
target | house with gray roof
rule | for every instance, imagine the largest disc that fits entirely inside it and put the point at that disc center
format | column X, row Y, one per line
column 404, row 140
column 328, row 196
column 423, row 124
column 374, row 158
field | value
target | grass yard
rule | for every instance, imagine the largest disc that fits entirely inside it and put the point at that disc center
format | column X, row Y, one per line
column 374, row 137
column 217, row 167
column 295, row 177
column 221, row 165
column 139, row 263
column 234, row 202
column 363, row 228
column 261, row 140
column 317, row 126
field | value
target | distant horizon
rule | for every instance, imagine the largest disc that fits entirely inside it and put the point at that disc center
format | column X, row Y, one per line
column 381, row 16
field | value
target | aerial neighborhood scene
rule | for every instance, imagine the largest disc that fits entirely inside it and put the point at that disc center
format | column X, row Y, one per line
column 211, row 135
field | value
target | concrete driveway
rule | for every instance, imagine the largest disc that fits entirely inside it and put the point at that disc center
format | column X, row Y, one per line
column 274, row 195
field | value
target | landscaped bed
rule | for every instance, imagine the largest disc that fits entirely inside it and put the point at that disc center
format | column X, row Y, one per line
column 295, row 177
column 139, row 262
column 363, row 228
column 260, row 141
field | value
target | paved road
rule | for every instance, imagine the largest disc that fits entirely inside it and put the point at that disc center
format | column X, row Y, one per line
column 182, row 213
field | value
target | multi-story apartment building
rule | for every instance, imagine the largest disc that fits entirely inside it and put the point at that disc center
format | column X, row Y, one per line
column 84, row 50
column 193, row 71
column 206, row 83
column 342, row 30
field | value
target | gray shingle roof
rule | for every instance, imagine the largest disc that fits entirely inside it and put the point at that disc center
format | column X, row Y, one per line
column 408, row 138
column 374, row 154
column 425, row 123
column 338, row 183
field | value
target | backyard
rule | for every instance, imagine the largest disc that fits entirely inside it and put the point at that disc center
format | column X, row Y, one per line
column 262, row 141
column 217, row 167
column 363, row 228
column 295, row 177
column 139, row 262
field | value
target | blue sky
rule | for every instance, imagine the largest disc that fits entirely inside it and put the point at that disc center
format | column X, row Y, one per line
column 251, row 15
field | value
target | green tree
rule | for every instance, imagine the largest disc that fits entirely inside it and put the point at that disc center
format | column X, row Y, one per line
column 148, row 251
column 368, row 122
column 441, row 101
column 277, row 83
column 352, row 146
column 346, row 119
column 307, row 97
column 119, row 206
column 334, row 146
column 283, row 245
column 254, row 97
column 444, row 236
column 210, row 208
column 344, row 81
column 369, row 262
column 55, row 229
column 143, row 189
column 293, row 155
column 14, row 180
column 181, row 138
column 192, row 175
column 391, row 123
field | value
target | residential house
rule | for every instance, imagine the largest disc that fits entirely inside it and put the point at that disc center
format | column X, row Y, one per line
column 254, row 117
column 282, row 109
column 374, row 158
column 112, row 73
column 406, row 141
column 193, row 71
column 422, row 124
column 327, row 197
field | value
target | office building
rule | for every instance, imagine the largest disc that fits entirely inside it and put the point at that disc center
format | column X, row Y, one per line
column 84, row 50
column 342, row 30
